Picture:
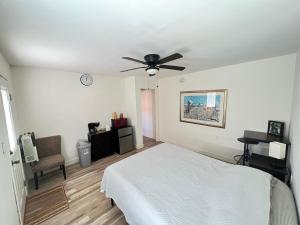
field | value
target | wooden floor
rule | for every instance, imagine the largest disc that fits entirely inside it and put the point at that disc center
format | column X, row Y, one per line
column 87, row 205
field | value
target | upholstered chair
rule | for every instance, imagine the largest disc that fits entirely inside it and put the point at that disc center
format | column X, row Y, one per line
column 49, row 152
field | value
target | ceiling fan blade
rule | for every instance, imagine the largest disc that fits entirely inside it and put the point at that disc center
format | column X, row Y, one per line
column 135, row 60
column 133, row 69
column 170, row 58
column 172, row 67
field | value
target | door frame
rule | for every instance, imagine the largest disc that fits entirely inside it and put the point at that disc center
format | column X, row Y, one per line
column 156, row 117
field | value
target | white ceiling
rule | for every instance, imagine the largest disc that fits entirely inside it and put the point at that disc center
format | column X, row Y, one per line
column 92, row 36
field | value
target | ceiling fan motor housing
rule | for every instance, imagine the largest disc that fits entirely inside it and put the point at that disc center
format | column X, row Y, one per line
column 152, row 59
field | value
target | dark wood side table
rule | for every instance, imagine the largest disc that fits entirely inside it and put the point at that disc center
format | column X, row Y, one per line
column 273, row 166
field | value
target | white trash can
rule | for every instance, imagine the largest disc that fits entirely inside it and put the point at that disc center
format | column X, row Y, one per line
column 84, row 152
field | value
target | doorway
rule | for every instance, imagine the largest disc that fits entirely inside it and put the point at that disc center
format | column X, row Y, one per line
column 13, row 190
column 148, row 116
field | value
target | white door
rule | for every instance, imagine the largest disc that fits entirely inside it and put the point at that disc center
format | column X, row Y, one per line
column 13, row 190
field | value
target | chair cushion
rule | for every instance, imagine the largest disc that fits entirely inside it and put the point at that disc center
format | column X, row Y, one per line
column 48, row 162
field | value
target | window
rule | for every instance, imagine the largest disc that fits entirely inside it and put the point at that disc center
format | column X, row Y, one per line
column 211, row 99
column 9, row 119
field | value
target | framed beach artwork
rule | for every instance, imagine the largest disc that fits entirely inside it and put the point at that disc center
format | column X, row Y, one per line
column 204, row 107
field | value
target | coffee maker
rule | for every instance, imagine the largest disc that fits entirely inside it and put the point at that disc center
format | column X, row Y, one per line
column 93, row 127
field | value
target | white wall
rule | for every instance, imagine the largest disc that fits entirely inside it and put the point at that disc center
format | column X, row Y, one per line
column 53, row 102
column 295, row 134
column 148, row 112
column 131, row 107
column 258, row 91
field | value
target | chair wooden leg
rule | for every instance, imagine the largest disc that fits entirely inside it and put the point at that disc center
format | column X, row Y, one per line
column 64, row 171
column 42, row 174
column 36, row 181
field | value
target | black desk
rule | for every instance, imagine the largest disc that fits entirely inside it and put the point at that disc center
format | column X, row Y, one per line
column 266, row 138
column 276, row 167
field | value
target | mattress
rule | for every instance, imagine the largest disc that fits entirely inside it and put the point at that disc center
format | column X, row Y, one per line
column 168, row 184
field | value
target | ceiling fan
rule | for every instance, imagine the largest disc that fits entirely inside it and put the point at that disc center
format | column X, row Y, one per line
column 153, row 63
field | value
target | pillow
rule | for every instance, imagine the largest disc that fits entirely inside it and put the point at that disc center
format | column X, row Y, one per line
column 283, row 208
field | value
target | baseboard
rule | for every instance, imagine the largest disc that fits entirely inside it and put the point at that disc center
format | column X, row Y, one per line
column 139, row 146
column 72, row 161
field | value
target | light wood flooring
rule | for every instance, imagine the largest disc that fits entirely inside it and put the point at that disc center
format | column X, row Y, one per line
column 87, row 205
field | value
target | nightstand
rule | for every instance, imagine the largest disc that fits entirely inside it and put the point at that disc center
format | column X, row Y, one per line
column 266, row 164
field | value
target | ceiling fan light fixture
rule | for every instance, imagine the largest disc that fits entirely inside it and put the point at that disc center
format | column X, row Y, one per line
column 152, row 70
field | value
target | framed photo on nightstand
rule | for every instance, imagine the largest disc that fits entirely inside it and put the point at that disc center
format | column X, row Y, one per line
column 275, row 128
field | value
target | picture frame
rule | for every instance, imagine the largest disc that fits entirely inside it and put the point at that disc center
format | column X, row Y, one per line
column 204, row 107
column 275, row 128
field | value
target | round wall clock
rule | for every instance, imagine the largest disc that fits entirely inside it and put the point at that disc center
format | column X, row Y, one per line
column 86, row 79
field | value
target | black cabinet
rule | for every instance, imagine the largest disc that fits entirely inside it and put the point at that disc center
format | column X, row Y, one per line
column 106, row 143
column 103, row 144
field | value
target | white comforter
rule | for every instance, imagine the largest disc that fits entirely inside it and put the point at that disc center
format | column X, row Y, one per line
column 171, row 185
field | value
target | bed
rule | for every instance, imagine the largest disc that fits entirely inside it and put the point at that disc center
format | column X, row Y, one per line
column 168, row 184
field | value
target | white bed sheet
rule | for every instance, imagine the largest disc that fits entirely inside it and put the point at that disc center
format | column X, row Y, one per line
column 171, row 185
